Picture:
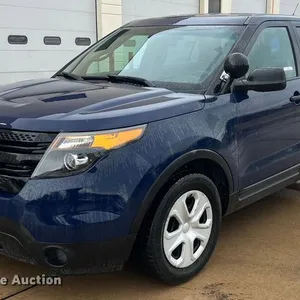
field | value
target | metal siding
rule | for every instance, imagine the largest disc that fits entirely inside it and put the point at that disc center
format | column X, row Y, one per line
column 249, row 6
column 137, row 9
column 36, row 19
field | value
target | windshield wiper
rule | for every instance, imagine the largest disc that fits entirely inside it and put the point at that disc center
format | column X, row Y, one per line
column 131, row 79
column 122, row 79
column 95, row 77
column 69, row 76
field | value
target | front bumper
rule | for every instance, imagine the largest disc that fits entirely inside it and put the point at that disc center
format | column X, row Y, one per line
column 87, row 216
column 17, row 243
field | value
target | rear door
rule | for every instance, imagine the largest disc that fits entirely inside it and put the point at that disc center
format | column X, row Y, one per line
column 268, row 124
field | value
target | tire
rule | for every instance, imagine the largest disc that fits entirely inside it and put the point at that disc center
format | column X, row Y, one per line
column 173, row 266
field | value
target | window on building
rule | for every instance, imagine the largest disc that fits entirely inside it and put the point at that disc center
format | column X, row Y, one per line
column 273, row 48
column 52, row 40
column 18, row 39
column 214, row 6
column 82, row 41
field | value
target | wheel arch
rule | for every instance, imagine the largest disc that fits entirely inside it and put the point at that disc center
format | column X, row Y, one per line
column 170, row 170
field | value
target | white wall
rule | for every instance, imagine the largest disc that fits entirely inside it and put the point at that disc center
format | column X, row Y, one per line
column 248, row 6
column 287, row 7
column 139, row 9
column 109, row 16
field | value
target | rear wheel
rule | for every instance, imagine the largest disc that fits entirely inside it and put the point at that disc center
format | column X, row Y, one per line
column 184, row 230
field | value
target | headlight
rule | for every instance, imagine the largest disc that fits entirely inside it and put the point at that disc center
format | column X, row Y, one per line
column 73, row 153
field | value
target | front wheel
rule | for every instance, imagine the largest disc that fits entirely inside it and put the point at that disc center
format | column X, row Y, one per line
column 185, row 229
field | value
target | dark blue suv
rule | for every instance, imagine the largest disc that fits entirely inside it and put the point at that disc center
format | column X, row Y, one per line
column 143, row 142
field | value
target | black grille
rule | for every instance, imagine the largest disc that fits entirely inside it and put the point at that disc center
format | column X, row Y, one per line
column 17, row 137
column 20, row 152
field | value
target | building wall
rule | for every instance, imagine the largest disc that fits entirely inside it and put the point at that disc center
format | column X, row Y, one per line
column 114, row 13
column 109, row 16
column 248, row 6
column 69, row 19
column 135, row 9
column 35, row 20
column 288, row 7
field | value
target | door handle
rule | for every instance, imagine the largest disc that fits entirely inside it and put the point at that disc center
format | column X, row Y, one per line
column 295, row 99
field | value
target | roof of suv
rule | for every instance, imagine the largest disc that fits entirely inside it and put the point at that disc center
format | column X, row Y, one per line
column 212, row 19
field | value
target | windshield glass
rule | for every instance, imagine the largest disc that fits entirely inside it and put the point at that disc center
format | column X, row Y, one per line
column 179, row 58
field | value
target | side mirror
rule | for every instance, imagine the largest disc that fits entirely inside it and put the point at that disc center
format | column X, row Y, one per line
column 236, row 65
column 262, row 80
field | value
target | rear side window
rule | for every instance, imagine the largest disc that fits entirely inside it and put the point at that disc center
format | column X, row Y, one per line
column 273, row 48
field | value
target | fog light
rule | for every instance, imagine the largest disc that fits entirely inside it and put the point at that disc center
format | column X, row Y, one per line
column 61, row 257
column 73, row 161
column 55, row 256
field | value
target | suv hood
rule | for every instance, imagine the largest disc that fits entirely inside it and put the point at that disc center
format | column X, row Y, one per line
column 55, row 105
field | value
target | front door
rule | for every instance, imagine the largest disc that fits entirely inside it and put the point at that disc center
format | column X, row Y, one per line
column 268, row 123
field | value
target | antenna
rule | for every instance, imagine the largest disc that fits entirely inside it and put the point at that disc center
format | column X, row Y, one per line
column 296, row 9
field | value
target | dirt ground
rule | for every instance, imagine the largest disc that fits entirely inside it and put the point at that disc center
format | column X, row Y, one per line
column 257, row 257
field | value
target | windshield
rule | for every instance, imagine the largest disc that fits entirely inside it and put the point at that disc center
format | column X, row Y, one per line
column 178, row 58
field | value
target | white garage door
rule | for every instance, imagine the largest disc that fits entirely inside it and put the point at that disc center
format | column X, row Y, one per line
column 287, row 7
column 249, row 6
column 139, row 9
column 37, row 37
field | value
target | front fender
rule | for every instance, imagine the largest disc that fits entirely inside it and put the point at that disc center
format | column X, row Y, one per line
column 171, row 169
column 170, row 144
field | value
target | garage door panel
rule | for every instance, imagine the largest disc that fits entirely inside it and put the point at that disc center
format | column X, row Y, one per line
column 36, row 40
column 81, row 6
column 36, row 19
column 31, row 18
column 13, row 61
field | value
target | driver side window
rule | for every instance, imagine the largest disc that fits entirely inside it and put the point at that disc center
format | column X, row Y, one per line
column 273, row 48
